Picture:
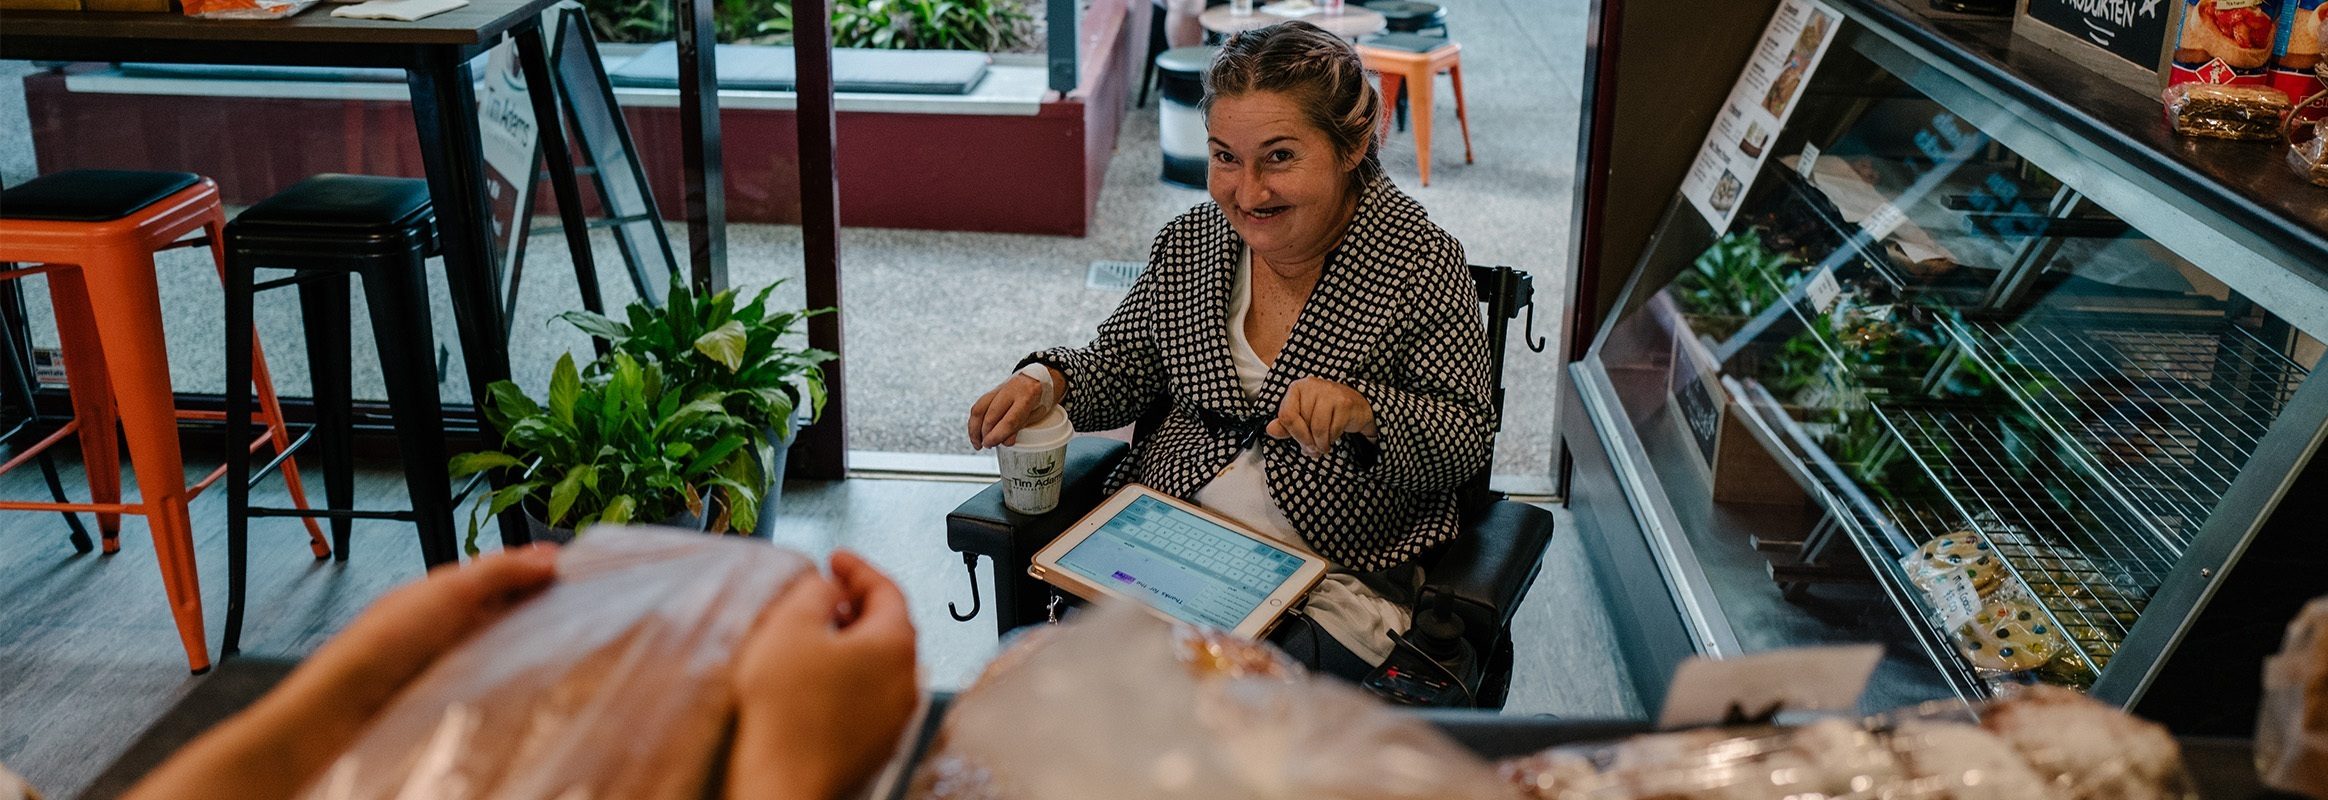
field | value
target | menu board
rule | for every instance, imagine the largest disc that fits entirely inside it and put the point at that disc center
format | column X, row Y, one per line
column 1759, row 105
column 2134, row 30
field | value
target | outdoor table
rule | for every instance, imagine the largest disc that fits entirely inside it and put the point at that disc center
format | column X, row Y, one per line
column 434, row 53
column 1354, row 21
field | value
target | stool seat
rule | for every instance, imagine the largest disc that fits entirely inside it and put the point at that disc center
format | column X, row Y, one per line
column 339, row 215
column 1407, row 42
column 91, row 195
column 1186, row 60
column 1408, row 16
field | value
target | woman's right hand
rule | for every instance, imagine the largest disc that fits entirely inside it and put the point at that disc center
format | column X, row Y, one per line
column 1002, row 412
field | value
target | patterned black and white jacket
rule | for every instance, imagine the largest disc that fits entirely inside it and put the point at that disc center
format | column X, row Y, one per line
column 1394, row 316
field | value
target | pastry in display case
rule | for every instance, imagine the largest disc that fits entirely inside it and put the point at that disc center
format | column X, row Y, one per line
column 2030, row 400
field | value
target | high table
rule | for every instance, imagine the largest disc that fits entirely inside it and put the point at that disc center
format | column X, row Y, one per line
column 434, row 54
column 1354, row 21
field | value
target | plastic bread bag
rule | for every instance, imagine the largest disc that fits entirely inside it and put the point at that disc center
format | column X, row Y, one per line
column 2291, row 730
column 244, row 9
column 1118, row 704
column 1832, row 758
column 613, row 683
column 2042, row 743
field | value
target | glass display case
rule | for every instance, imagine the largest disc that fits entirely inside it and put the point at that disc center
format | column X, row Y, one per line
column 1956, row 378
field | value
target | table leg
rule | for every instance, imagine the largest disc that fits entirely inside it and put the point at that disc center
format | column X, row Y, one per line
column 549, row 118
column 444, row 108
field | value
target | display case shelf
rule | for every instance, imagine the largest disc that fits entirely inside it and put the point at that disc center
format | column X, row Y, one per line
column 2052, row 524
column 2169, row 414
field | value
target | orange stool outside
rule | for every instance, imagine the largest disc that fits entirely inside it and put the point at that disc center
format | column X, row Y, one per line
column 101, row 228
column 1415, row 61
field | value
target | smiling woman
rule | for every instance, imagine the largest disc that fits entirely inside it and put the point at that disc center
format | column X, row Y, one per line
column 1313, row 337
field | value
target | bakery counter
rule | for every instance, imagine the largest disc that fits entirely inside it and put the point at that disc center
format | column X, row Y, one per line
column 2220, row 768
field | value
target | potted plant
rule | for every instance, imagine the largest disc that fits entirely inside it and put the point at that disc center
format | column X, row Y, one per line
column 747, row 355
column 627, row 444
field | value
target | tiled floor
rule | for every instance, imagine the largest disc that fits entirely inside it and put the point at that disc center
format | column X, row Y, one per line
column 88, row 656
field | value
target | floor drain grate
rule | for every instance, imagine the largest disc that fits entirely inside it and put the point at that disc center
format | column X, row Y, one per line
column 1113, row 276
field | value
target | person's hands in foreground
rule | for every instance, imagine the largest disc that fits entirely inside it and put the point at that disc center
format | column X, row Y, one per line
column 1316, row 412
column 825, row 683
column 273, row 748
column 1003, row 411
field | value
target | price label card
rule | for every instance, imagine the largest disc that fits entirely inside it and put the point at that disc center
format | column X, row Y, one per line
column 1808, row 164
column 1823, row 290
column 1956, row 600
column 1885, row 220
column 1707, row 691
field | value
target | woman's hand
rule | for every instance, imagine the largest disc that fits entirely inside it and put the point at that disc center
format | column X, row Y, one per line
column 289, row 736
column 1317, row 411
column 1000, row 414
column 825, row 684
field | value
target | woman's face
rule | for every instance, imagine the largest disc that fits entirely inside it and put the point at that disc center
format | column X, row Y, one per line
column 1277, row 177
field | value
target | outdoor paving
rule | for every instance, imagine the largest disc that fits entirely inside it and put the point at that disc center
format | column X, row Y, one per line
column 935, row 318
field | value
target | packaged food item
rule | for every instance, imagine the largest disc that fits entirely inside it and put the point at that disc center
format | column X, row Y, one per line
column 2291, row 730
column 2225, row 42
column 2303, row 32
column 2085, row 749
column 2251, row 113
column 2308, row 151
column 613, row 683
column 1119, row 704
column 1964, row 553
column 2011, row 634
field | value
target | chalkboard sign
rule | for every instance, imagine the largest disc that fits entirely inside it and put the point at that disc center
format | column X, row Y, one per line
column 1703, row 414
column 2134, row 30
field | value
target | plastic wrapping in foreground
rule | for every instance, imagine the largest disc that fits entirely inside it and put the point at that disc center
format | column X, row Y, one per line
column 2291, row 731
column 2044, row 743
column 611, row 684
column 1118, row 704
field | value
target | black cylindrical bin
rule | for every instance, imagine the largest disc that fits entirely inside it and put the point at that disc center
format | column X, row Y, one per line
column 1179, row 87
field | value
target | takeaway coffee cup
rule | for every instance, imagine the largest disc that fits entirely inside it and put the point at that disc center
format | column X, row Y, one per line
column 1033, row 468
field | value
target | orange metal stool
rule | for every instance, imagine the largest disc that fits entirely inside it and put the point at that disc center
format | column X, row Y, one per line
column 1415, row 61
column 100, row 229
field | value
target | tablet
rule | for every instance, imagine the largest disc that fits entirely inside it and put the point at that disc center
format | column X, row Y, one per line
column 1179, row 560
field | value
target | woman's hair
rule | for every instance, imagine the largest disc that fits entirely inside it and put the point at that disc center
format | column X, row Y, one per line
column 1321, row 74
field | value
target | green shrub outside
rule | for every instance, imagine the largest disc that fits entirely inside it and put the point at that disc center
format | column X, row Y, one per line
column 993, row 26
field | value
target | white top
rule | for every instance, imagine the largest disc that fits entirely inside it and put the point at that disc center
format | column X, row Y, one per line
column 1355, row 615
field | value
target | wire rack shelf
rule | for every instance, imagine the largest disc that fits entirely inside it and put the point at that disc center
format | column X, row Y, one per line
column 2082, row 555
column 2168, row 414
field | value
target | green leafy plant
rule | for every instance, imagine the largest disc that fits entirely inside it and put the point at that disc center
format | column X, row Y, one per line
column 711, row 347
column 993, row 26
column 1732, row 281
column 627, row 444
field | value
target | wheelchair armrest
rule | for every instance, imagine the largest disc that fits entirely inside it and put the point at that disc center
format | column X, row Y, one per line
column 1489, row 567
column 983, row 526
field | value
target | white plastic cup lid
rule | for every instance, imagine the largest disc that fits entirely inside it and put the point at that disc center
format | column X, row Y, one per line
column 1053, row 431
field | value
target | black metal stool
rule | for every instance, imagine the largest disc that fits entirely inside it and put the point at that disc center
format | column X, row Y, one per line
column 1409, row 16
column 327, row 228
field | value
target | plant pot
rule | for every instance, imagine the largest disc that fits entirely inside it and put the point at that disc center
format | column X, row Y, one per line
column 540, row 531
column 774, row 496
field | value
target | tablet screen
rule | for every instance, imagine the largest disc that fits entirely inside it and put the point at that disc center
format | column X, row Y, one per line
column 1183, row 564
